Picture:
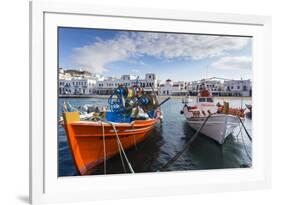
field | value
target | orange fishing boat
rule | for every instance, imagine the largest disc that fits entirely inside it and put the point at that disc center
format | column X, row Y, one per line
column 93, row 142
column 131, row 117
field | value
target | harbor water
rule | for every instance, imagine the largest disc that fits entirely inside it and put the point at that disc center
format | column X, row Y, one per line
column 166, row 139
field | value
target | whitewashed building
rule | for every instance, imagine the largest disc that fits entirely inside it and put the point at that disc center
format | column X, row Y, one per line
column 108, row 85
column 222, row 87
column 173, row 88
column 77, row 86
column 214, row 85
column 238, row 87
column 77, row 82
column 80, row 82
column 150, row 81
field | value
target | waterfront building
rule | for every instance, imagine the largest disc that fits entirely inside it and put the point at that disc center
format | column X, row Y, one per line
column 173, row 88
column 77, row 82
column 108, row 85
column 215, row 85
column 150, row 81
column 222, row 87
column 77, row 86
column 80, row 82
column 238, row 87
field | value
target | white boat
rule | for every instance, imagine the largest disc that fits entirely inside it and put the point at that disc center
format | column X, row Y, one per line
column 219, row 125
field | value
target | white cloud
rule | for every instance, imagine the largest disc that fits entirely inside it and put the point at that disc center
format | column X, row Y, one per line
column 135, row 71
column 94, row 57
column 233, row 63
column 97, row 56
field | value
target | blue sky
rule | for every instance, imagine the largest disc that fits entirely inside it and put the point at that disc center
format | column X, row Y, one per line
column 169, row 55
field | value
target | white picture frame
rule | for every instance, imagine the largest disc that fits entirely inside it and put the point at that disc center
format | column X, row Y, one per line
column 46, row 187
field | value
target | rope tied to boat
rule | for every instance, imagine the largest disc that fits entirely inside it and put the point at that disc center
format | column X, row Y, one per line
column 243, row 141
column 120, row 146
column 245, row 148
column 175, row 158
column 249, row 136
column 121, row 157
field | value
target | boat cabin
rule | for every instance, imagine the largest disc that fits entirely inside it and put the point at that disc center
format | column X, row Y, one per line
column 205, row 96
column 205, row 99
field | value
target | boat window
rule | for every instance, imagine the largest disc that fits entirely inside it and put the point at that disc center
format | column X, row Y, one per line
column 202, row 100
column 210, row 100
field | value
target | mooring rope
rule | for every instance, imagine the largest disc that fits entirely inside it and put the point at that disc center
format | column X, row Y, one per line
column 249, row 136
column 240, row 129
column 245, row 148
column 122, row 149
column 121, row 157
column 171, row 161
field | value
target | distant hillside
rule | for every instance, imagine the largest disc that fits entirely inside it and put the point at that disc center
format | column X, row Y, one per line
column 77, row 72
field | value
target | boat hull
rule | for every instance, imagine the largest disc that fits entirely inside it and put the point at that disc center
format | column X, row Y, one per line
column 218, row 126
column 93, row 142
